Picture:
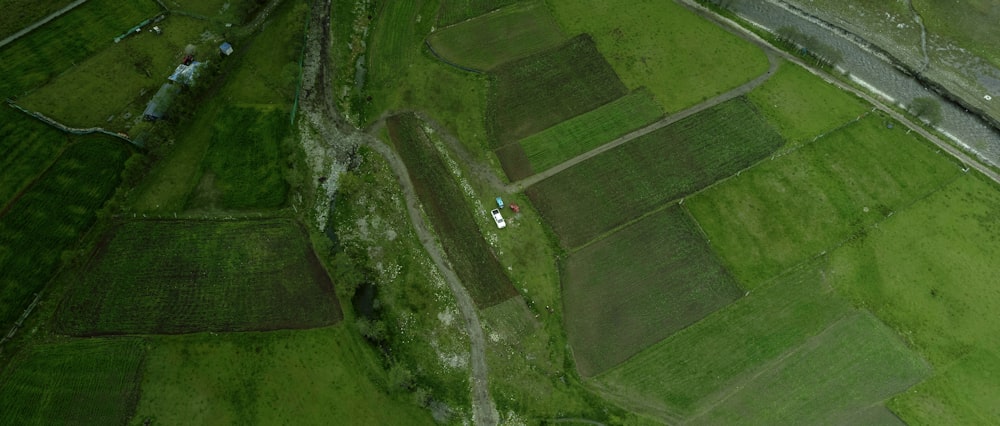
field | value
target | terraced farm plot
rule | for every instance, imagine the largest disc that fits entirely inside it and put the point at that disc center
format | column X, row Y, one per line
column 707, row 357
column 511, row 33
column 589, row 130
column 930, row 270
column 852, row 365
column 539, row 91
column 177, row 276
column 681, row 57
column 242, row 169
column 453, row 11
column 28, row 147
column 639, row 286
column 629, row 180
column 91, row 381
column 473, row 259
column 789, row 100
column 43, row 54
column 783, row 212
column 50, row 215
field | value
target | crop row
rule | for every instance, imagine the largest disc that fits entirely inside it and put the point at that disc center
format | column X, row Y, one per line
column 453, row 11
column 28, row 147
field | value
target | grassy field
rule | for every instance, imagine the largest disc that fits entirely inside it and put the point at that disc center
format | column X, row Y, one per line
column 452, row 11
column 243, row 165
column 681, row 57
column 929, row 272
column 42, row 55
column 639, row 286
column 589, row 130
column 623, row 183
column 786, row 211
column 201, row 276
column 50, row 215
column 853, row 364
column 29, row 147
column 789, row 101
column 91, row 381
column 542, row 90
column 508, row 34
column 318, row 376
column 18, row 14
column 474, row 260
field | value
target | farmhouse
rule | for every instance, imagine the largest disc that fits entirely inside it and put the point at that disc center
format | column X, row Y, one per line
column 157, row 107
column 226, row 48
column 185, row 74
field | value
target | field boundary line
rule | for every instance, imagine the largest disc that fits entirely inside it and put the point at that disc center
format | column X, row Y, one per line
column 73, row 130
column 40, row 22
column 447, row 62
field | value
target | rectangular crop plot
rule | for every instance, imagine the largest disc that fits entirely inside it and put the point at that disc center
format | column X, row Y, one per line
column 184, row 276
column 589, row 130
column 629, row 180
column 539, row 91
column 854, row 364
column 50, row 215
column 90, row 381
column 474, row 261
column 453, row 11
column 639, row 286
column 28, row 147
column 786, row 211
column 490, row 40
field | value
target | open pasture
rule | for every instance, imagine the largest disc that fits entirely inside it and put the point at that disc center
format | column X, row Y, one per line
column 789, row 100
column 242, row 169
column 453, row 11
column 681, row 57
column 930, row 272
column 621, row 184
column 28, row 146
column 542, row 90
column 783, row 212
column 91, row 381
column 505, row 35
column 852, row 365
column 707, row 357
column 639, row 286
column 589, row 130
column 50, row 215
column 18, row 14
column 474, row 261
column 40, row 56
column 177, row 276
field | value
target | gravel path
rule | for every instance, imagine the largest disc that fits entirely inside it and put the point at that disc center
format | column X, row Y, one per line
column 41, row 22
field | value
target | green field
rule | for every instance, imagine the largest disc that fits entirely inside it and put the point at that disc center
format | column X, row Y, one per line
column 90, row 381
column 639, row 286
column 681, row 57
column 18, row 14
column 170, row 276
column 929, row 272
column 319, row 376
column 786, row 211
column 852, row 365
column 621, row 184
column 452, row 11
column 29, row 147
column 508, row 34
column 542, row 90
column 589, row 130
column 242, row 168
column 789, row 100
column 42, row 55
column 470, row 255
column 50, row 216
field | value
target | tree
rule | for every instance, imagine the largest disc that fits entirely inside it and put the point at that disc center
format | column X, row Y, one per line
column 927, row 109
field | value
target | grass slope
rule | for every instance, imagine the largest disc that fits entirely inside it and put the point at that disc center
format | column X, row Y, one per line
column 639, row 286
column 590, row 130
column 90, row 381
column 542, row 90
column 50, row 216
column 505, row 35
column 18, row 14
column 929, row 272
column 29, row 146
column 681, row 57
column 452, row 11
column 162, row 276
column 786, row 211
column 621, row 184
